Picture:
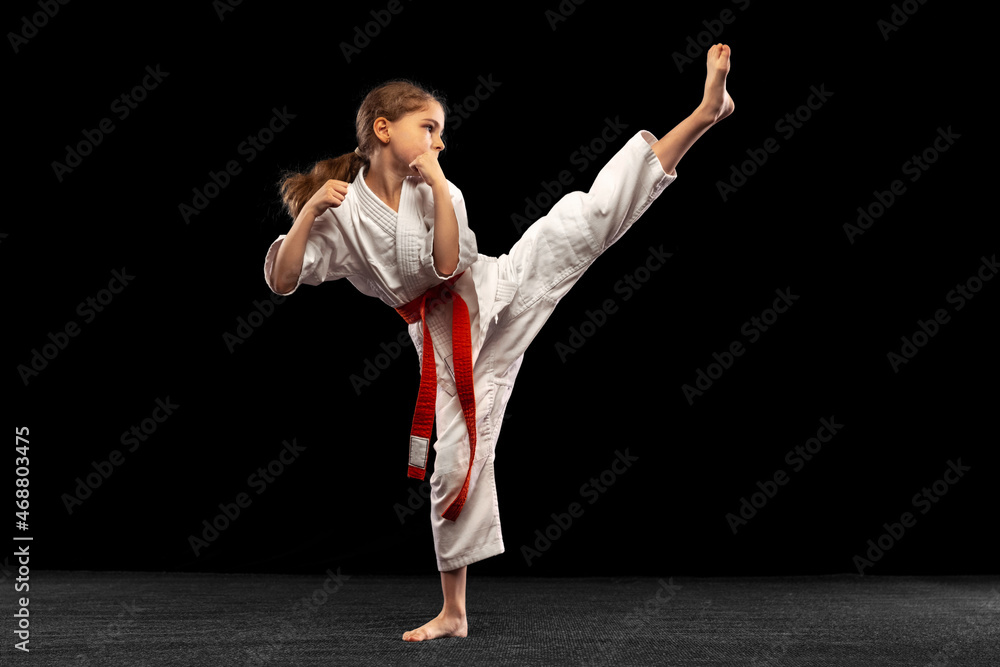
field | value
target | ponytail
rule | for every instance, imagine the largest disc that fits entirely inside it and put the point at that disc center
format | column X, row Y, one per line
column 297, row 189
column 391, row 101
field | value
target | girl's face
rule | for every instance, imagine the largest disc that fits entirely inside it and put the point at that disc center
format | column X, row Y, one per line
column 417, row 133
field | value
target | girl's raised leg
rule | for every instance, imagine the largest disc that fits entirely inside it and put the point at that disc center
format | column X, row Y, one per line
column 716, row 105
column 451, row 622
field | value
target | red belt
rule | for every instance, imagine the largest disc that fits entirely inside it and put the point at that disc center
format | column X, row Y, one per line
column 423, row 416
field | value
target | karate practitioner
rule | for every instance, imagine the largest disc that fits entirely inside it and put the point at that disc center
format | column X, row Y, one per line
column 386, row 218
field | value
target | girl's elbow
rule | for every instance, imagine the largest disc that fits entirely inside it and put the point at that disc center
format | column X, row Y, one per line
column 446, row 269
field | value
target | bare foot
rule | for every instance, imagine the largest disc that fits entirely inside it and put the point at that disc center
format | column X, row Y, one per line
column 451, row 625
column 717, row 103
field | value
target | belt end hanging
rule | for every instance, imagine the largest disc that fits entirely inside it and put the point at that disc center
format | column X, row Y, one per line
column 417, row 465
column 456, row 506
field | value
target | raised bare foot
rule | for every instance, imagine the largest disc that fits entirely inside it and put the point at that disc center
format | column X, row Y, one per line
column 717, row 103
column 450, row 625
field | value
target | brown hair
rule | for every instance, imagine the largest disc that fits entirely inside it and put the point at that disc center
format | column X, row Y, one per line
column 391, row 100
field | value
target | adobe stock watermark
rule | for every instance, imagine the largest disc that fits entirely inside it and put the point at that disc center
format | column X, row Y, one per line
column 417, row 497
column 248, row 149
column 613, row 654
column 898, row 17
column 562, row 12
column 460, row 111
column 797, row 457
column 58, row 341
column 696, row 44
column 293, row 626
column 581, row 158
column 914, row 167
column 642, row 614
column 752, row 329
column 592, row 491
column 31, row 24
column 924, row 500
column 926, row 329
column 983, row 622
column 626, row 286
column 122, row 107
column 106, row 644
column 259, row 480
column 774, row 653
column 133, row 438
column 787, row 126
column 223, row 7
column 363, row 35
column 374, row 366
column 245, row 326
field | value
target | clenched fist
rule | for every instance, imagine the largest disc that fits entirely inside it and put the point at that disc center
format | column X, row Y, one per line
column 330, row 195
column 427, row 166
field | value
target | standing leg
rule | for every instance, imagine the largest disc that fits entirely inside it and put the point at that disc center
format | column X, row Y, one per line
column 475, row 535
column 451, row 622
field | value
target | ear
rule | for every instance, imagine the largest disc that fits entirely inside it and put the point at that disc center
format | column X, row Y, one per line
column 381, row 129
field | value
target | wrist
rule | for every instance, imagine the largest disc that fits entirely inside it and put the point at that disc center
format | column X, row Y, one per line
column 306, row 216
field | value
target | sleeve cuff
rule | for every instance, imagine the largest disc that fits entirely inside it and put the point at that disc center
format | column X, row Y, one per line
column 651, row 159
column 272, row 254
column 437, row 274
column 467, row 247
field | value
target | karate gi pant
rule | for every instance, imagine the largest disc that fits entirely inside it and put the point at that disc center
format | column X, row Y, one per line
column 509, row 298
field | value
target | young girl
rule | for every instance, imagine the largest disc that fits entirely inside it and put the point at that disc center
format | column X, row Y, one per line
column 386, row 218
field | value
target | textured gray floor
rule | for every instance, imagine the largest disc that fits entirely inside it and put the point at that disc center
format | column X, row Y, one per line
column 137, row 618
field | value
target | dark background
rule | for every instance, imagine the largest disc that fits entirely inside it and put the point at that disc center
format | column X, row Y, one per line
column 337, row 505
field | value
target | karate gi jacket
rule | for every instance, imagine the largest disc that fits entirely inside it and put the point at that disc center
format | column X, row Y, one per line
column 383, row 254
column 390, row 256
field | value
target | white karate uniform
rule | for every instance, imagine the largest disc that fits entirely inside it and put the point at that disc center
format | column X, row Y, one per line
column 390, row 256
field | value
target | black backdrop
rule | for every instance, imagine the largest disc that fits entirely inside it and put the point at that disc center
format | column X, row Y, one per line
column 187, row 321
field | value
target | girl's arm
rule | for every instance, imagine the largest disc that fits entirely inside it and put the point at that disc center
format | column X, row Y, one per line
column 445, row 222
column 288, row 262
column 445, row 231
